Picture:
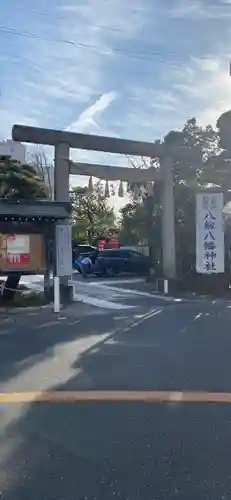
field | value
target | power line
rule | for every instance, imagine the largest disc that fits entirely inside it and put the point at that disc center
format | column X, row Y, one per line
column 143, row 55
column 68, row 12
column 102, row 27
column 95, row 25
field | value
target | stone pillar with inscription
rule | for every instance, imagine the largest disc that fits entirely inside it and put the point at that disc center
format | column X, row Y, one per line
column 61, row 193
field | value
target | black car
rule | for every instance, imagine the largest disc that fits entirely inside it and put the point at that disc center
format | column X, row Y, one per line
column 119, row 260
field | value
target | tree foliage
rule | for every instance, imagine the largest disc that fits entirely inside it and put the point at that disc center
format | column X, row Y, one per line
column 20, row 181
column 201, row 158
column 38, row 159
column 90, row 213
column 133, row 223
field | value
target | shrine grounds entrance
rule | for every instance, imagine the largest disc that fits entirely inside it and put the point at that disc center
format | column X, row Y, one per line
column 63, row 141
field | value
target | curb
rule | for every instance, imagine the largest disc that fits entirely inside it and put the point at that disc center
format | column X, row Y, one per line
column 30, row 309
column 20, row 310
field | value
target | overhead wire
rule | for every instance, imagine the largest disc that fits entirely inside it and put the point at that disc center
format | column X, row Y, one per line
column 95, row 25
column 69, row 11
column 142, row 55
column 101, row 27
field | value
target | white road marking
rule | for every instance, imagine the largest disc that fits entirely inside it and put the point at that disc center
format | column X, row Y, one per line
column 97, row 287
column 144, row 318
column 121, row 343
column 36, row 283
column 108, row 285
column 107, row 296
column 166, row 298
column 123, row 290
column 49, row 323
column 75, row 322
column 105, row 304
column 119, row 282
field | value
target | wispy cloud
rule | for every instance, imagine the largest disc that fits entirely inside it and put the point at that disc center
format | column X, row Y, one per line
column 165, row 61
column 200, row 9
column 67, row 76
column 206, row 88
column 87, row 119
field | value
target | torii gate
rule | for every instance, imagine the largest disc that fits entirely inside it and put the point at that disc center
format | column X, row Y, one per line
column 63, row 141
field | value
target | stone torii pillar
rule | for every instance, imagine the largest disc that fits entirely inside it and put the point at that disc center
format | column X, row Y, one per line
column 61, row 172
column 63, row 141
column 168, row 220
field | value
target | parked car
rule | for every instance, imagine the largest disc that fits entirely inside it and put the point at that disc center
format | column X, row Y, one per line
column 77, row 261
column 119, row 260
column 81, row 251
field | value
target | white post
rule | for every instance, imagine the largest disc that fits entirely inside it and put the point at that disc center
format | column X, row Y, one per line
column 56, row 294
column 166, row 287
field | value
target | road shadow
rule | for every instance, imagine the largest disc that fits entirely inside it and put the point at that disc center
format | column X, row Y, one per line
column 181, row 348
column 26, row 344
column 106, row 450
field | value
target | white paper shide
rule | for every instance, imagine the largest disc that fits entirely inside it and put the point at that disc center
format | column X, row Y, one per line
column 209, row 233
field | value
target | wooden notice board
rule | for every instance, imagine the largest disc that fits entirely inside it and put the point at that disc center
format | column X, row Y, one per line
column 22, row 252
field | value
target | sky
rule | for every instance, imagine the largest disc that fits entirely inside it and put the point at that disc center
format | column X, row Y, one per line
column 133, row 70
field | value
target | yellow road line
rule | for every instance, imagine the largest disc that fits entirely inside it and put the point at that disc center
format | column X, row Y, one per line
column 119, row 396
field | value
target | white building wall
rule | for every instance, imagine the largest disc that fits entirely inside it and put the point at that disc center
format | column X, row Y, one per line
column 14, row 149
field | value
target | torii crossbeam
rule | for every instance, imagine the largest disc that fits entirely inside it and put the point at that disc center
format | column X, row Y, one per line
column 63, row 141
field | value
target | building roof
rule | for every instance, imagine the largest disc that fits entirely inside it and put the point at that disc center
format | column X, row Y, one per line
column 39, row 209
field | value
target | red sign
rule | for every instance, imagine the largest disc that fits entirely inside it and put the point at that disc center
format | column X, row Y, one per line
column 18, row 249
column 101, row 244
column 18, row 258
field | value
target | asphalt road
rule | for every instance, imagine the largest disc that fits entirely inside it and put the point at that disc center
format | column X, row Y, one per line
column 106, row 449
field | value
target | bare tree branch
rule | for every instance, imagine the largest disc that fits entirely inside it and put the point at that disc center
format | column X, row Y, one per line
column 38, row 159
